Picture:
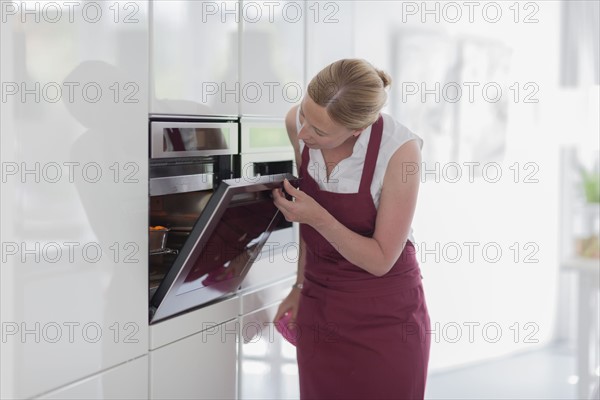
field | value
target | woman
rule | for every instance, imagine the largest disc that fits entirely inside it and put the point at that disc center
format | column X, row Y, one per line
column 358, row 305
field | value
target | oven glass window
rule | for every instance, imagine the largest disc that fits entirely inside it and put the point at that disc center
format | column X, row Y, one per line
column 194, row 139
column 268, row 137
column 237, row 239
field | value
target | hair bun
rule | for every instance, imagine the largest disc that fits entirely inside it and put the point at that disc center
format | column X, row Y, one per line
column 387, row 80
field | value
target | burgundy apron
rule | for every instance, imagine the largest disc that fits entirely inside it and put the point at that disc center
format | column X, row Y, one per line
column 360, row 336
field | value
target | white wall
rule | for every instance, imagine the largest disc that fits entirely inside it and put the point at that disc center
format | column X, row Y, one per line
column 502, row 293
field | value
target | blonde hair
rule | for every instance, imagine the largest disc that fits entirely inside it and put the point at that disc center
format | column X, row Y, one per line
column 352, row 91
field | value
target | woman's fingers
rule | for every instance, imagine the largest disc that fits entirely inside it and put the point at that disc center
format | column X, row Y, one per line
column 278, row 316
column 293, row 211
column 294, row 313
column 280, row 312
column 283, row 204
column 278, row 198
column 290, row 189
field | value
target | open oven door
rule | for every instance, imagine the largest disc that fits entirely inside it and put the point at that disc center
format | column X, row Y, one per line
column 223, row 244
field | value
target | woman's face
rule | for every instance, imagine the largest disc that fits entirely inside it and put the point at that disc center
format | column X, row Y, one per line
column 318, row 131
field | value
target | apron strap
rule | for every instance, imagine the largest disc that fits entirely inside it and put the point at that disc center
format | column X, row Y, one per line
column 371, row 157
column 305, row 160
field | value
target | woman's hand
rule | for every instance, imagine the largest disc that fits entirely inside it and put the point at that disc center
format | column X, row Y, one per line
column 289, row 304
column 304, row 209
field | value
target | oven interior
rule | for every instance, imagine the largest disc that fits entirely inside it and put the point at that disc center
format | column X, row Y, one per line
column 178, row 206
column 178, row 213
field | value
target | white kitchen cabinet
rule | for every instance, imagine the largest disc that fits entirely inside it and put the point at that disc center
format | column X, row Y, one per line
column 194, row 57
column 126, row 381
column 74, row 207
column 201, row 366
column 329, row 34
column 267, row 362
column 194, row 355
column 272, row 74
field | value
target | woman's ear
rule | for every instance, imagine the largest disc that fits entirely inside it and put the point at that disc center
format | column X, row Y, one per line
column 358, row 132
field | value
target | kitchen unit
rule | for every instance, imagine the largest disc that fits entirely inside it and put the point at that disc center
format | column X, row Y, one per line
column 126, row 381
column 265, row 147
column 217, row 220
column 267, row 363
column 221, row 232
column 195, row 354
column 245, row 66
column 237, row 336
column 194, row 57
column 271, row 71
column 74, row 293
column 165, row 64
column 188, row 160
column 334, row 21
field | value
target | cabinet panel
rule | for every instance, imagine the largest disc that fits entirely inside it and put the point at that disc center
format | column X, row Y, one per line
column 267, row 296
column 329, row 34
column 272, row 56
column 128, row 381
column 74, row 291
column 202, row 366
column 189, row 323
column 194, row 57
column 268, row 368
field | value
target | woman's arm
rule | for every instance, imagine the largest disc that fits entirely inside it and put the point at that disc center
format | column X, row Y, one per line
column 292, row 131
column 397, row 205
column 290, row 303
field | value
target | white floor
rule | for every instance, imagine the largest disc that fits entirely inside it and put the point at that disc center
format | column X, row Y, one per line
column 542, row 374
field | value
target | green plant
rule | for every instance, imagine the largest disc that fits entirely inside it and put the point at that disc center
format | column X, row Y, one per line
column 591, row 185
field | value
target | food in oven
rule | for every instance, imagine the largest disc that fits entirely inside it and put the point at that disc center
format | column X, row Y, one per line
column 158, row 238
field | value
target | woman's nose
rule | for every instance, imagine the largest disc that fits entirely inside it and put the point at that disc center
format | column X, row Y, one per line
column 303, row 133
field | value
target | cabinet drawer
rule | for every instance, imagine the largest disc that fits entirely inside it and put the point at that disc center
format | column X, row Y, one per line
column 266, row 296
column 192, row 322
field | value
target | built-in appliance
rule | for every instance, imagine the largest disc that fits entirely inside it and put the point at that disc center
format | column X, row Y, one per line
column 215, row 220
column 265, row 148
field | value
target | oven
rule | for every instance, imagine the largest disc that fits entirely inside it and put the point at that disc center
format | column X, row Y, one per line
column 208, row 221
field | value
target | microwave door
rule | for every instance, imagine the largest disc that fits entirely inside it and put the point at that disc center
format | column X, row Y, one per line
column 223, row 244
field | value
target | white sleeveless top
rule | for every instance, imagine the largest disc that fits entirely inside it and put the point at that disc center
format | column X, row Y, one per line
column 345, row 178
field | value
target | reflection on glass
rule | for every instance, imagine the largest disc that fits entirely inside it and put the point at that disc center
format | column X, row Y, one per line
column 232, row 244
column 280, row 381
column 190, row 139
column 288, row 350
column 256, row 349
column 290, row 369
column 256, row 368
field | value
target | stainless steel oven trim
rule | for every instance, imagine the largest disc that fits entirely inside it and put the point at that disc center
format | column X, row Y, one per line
column 156, row 139
column 181, row 184
column 193, row 117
